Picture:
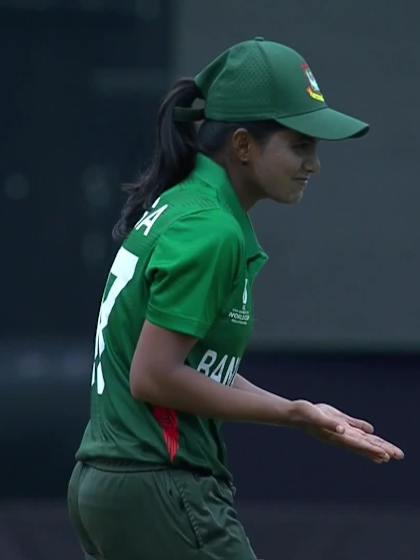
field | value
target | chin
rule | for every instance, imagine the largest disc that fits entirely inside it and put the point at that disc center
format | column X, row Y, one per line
column 289, row 198
column 293, row 199
column 296, row 198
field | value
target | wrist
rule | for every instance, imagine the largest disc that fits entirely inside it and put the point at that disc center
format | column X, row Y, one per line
column 288, row 412
column 297, row 412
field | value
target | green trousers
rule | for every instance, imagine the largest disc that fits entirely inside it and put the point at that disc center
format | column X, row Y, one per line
column 154, row 515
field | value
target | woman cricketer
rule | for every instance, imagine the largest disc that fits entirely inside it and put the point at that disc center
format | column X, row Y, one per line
column 151, row 480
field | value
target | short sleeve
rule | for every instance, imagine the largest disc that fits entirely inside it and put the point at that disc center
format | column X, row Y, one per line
column 192, row 271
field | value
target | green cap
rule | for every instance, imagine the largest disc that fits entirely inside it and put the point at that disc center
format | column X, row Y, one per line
column 262, row 80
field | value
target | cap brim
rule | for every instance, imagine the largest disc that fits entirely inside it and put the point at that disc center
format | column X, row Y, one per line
column 326, row 124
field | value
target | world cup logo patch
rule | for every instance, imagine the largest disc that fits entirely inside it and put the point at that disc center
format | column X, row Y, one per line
column 313, row 88
column 245, row 295
column 241, row 315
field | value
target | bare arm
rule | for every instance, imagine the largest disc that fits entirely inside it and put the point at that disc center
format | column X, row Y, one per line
column 159, row 376
column 245, row 385
column 357, row 431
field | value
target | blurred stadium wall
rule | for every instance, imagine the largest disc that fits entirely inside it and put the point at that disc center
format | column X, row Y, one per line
column 337, row 307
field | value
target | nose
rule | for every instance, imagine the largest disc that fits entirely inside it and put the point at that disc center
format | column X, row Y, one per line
column 312, row 164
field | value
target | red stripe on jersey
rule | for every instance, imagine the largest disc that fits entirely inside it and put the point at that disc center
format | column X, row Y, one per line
column 168, row 421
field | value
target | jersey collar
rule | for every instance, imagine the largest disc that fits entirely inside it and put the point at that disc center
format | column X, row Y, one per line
column 215, row 175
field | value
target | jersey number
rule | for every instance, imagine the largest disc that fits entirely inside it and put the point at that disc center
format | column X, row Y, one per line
column 123, row 269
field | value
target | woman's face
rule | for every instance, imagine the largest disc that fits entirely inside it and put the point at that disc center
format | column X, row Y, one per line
column 280, row 170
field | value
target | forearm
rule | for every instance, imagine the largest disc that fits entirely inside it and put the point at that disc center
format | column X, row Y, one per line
column 187, row 390
column 244, row 385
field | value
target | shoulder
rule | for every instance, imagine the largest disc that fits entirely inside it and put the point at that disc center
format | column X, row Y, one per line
column 198, row 245
column 187, row 214
column 204, row 231
column 184, row 212
column 216, row 220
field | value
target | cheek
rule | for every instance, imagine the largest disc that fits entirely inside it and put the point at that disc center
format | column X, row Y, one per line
column 276, row 171
column 290, row 163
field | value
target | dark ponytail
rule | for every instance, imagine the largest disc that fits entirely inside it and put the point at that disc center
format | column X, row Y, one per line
column 173, row 158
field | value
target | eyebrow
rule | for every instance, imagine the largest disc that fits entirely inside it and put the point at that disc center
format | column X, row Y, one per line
column 309, row 138
column 303, row 138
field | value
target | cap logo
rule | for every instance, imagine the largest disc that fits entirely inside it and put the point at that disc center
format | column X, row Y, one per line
column 313, row 88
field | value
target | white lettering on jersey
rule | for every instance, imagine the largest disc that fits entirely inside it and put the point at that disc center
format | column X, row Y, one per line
column 149, row 218
column 123, row 269
column 207, row 361
column 232, row 370
column 220, row 373
column 217, row 373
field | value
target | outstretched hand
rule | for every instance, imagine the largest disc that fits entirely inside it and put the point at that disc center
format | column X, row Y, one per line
column 333, row 426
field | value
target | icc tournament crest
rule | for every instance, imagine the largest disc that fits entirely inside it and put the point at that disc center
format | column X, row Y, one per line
column 242, row 315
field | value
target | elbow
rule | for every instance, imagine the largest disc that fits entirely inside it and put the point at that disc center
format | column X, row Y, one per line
column 140, row 385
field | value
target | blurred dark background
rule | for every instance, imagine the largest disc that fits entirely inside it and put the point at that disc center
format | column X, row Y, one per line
column 337, row 307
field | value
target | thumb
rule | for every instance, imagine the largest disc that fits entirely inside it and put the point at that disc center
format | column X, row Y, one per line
column 309, row 414
column 331, row 424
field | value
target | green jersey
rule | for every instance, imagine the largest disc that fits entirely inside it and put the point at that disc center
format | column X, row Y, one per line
column 188, row 265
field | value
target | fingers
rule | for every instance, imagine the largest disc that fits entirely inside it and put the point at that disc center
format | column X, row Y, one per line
column 360, row 424
column 355, row 422
column 392, row 450
column 359, row 443
column 371, row 446
column 357, row 435
column 389, row 448
column 363, row 425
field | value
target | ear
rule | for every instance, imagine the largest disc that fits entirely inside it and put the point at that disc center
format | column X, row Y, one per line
column 242, row 145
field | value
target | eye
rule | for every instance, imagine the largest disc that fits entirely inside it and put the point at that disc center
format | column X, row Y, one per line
column 305, row 146
column 302, row 145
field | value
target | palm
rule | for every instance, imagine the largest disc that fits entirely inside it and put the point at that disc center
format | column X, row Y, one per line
column 356, row 435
